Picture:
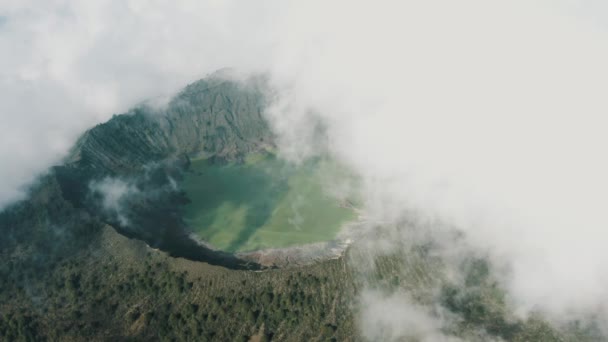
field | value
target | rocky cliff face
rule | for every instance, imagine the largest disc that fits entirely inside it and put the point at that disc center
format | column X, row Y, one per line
column 212, row 117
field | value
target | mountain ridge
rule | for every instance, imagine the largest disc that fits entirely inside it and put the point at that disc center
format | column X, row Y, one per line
column 215, row 117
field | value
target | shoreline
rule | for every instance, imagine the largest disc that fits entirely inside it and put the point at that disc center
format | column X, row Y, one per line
column 296, row 255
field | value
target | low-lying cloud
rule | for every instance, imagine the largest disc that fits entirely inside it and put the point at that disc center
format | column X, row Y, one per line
column 114, row 192
column 394, row 317
column 485, row 116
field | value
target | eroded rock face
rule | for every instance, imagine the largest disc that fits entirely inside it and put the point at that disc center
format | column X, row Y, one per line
column 220, row 118
column 214, row 117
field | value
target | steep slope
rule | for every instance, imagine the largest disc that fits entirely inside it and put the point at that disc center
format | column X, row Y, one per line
column 212, row 117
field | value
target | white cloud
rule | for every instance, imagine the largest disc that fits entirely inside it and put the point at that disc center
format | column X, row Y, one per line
column 394, row 317
column 114, row 192
column 489, row 116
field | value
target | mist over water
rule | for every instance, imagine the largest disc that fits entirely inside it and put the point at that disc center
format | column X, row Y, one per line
column 478, row 116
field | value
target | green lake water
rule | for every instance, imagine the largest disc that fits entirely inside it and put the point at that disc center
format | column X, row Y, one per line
column 265, row 202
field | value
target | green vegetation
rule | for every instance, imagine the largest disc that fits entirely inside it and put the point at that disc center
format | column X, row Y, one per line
column 265, row 202
column 66, row 276
column 121, row 290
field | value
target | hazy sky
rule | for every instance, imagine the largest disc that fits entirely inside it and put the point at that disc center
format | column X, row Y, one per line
column 488, row 115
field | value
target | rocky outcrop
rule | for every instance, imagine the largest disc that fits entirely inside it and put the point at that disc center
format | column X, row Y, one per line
column 212, row 117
